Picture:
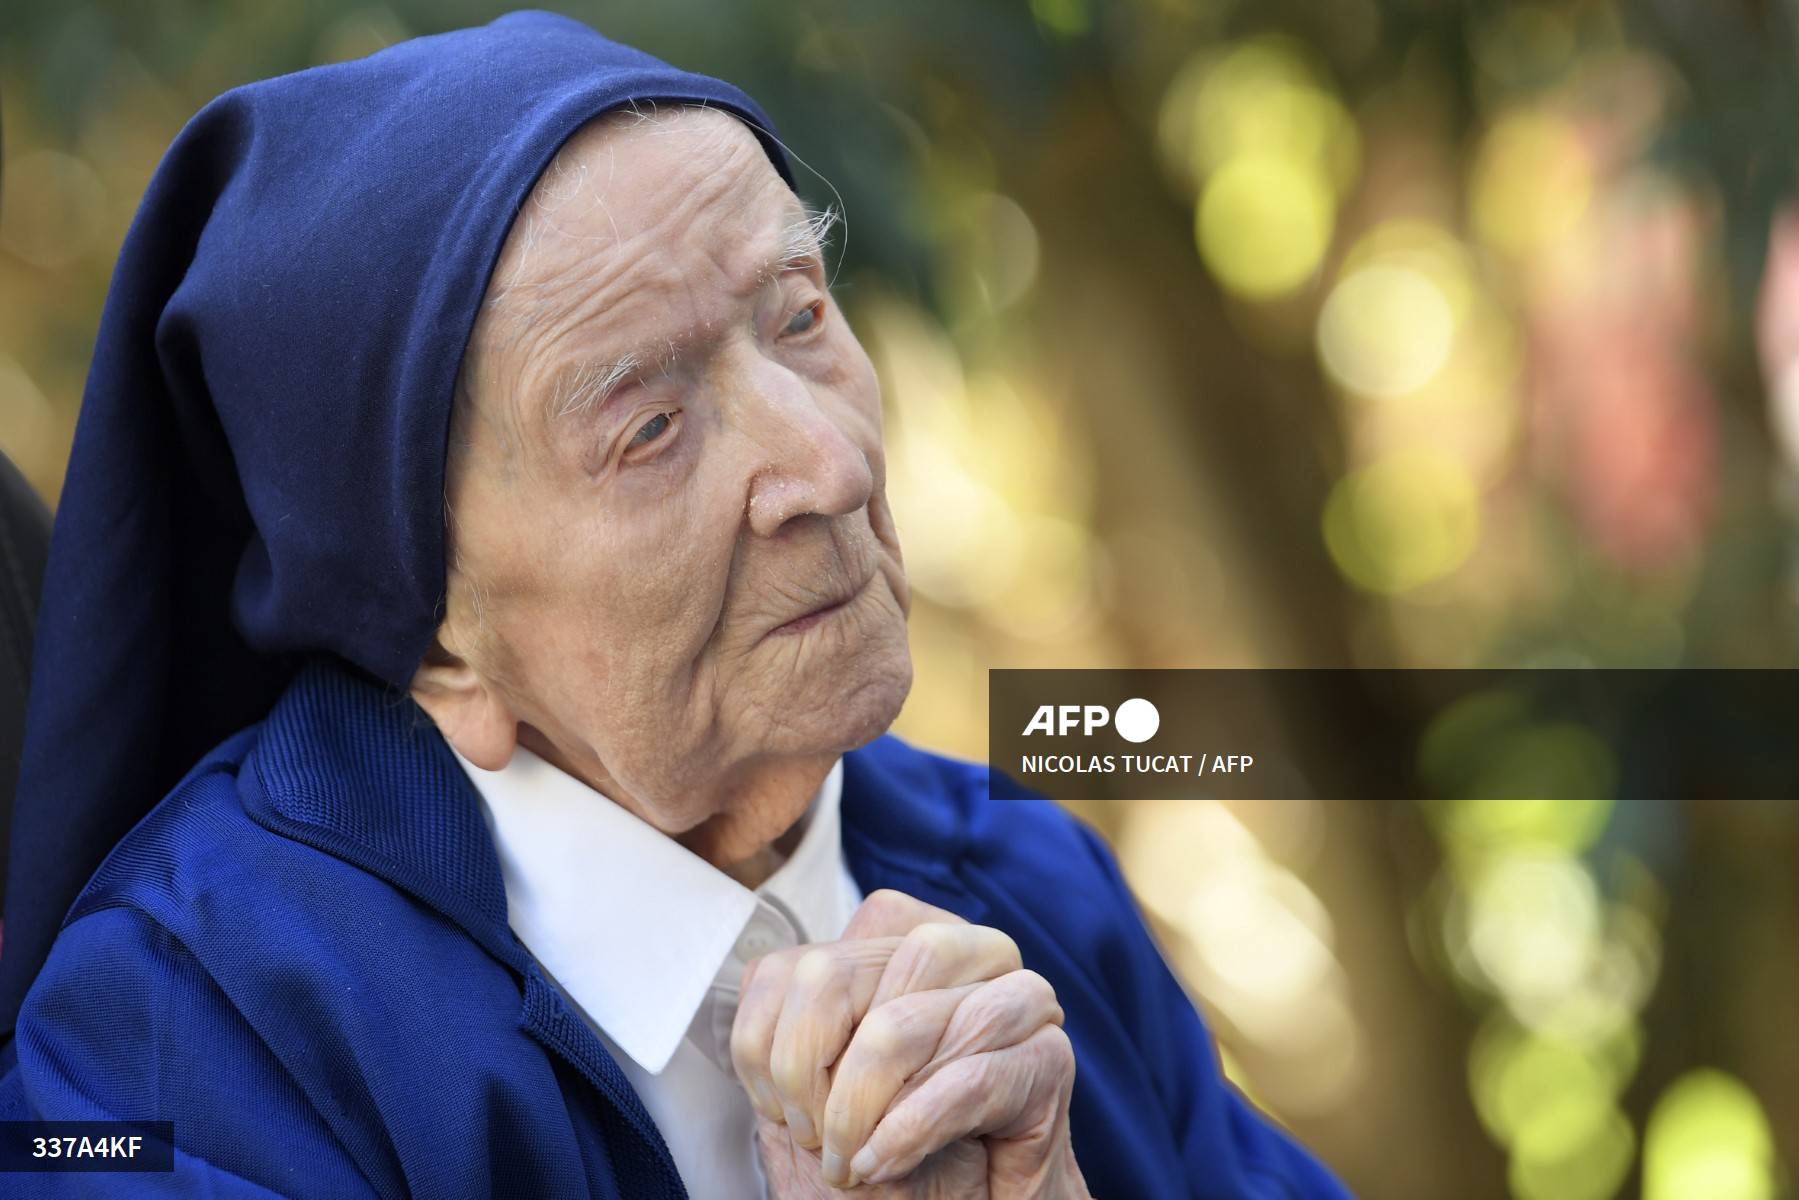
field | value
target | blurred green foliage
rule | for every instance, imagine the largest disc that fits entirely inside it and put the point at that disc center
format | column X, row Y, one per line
column 1301, row 332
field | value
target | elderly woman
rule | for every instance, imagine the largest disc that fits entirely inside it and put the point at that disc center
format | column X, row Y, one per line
column 475, row 537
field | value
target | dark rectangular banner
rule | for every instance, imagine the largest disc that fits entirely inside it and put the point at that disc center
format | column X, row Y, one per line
column 1527, row 734
column 87, row 1146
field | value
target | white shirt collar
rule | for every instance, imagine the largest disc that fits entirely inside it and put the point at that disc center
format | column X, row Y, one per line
column 635, row 927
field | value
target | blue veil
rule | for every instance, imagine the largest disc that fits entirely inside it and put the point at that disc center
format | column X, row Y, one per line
column 257, row 474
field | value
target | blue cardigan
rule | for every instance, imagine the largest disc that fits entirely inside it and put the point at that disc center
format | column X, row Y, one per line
column 301, row 958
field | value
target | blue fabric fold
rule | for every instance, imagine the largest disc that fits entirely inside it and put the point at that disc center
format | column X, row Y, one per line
column 299, row 959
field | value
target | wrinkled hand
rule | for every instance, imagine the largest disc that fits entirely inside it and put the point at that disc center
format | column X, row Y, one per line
column 914, row 1058
column 957, row 1172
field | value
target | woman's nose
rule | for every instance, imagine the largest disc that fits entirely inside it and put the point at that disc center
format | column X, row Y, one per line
column 810, row 462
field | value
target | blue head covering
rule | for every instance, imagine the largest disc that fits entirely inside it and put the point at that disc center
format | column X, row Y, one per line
column 258, row 470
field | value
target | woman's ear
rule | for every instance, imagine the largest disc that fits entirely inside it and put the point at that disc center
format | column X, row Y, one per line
column 467, row 709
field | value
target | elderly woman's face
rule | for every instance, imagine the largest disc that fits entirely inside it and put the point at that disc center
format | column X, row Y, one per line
column 673, row 568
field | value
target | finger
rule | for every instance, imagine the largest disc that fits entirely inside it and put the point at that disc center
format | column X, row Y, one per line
column 888, row 913
column 931, row 956
column 1000, row 1013
column 937, row 955
column 891, row 1044
column 764, row 988
column 1019, row 1092
column 828, row 990
column 907, row 1039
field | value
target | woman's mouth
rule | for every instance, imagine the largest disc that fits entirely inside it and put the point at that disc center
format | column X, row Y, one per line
column 822, row 613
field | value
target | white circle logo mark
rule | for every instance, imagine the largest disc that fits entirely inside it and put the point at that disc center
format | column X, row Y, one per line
column 1137, row 720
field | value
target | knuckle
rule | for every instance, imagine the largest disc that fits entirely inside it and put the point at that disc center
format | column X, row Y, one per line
column 885, row 903
column 815, row 967
column 1056, row 1047
column 930, row 941
column 882, row 1032
column 1034, row 986
column 1008, row 948
column 788, row 1073
column 883, row 899
column 776, row 965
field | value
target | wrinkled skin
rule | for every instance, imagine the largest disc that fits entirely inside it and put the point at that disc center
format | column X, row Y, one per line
column 913, row 1058
column 679, row 582
column 620, row 574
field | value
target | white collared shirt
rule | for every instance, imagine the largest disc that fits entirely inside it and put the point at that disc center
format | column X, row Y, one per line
column 648, row 942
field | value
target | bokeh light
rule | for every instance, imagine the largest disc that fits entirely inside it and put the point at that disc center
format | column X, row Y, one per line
column 1708, row 1136
column 1259, row 940
column 1385, row 331
column 1532, row 181
column 1401, row 522
column 1554, row 1106
column 1269, row 150
column 1264, row 224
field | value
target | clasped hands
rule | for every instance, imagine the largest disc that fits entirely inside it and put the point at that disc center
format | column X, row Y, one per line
column 914, row 1058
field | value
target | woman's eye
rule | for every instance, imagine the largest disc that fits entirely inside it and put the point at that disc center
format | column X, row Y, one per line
column 651, row 430
column 806, row 318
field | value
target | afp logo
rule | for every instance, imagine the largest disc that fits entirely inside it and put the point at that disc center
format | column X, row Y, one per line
column 1136, row 719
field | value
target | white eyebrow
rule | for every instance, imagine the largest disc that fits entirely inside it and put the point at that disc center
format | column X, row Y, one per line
column 801, row 244
column 802, row 241
column 589, row 383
